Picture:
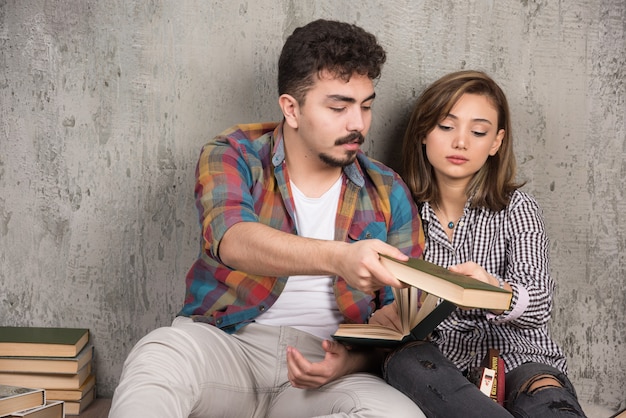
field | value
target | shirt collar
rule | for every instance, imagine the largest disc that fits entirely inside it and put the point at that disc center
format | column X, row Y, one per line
column 352, row 171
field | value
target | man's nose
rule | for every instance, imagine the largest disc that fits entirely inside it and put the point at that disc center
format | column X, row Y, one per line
column 356, row 121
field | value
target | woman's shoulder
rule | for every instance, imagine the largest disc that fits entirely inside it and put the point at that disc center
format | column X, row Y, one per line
column 521, row 200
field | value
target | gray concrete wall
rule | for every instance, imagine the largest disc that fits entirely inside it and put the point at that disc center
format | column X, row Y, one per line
column 104, row 106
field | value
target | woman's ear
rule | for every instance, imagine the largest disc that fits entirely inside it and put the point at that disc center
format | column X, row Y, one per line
column 290, row 108
column 497, row 143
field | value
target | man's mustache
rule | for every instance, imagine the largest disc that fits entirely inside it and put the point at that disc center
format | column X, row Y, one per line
column 351, row 138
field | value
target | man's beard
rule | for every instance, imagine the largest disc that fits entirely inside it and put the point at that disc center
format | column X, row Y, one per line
column 350, row 156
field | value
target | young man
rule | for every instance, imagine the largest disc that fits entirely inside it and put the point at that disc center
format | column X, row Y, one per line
column 294, row 217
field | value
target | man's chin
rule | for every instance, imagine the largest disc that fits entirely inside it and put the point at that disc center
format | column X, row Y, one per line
column 348, row 159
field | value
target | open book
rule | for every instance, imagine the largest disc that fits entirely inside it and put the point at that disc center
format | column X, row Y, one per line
column 442, row 291
column 416, row 322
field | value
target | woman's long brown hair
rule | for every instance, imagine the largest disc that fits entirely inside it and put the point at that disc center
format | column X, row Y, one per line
column 492, row 185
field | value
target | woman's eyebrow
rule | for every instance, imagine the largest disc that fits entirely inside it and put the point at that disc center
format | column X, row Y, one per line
column 482, row 120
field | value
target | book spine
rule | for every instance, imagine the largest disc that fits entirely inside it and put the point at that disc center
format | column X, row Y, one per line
column 493, row 361
column 500, row 379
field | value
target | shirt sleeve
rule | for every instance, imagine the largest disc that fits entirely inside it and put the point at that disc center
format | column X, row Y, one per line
column 223, row 189
column 527, row 268
column 405, row 232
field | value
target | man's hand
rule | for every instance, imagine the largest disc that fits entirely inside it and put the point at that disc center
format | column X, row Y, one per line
column 359, row 265
column 338, row 362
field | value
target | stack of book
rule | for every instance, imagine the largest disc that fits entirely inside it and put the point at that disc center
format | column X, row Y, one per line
column 17, row 401
column 57, row 360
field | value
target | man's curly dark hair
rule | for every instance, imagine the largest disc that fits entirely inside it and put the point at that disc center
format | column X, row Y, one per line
column 342, row 49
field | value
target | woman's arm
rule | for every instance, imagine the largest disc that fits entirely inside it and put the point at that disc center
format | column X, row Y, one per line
column 527, row 270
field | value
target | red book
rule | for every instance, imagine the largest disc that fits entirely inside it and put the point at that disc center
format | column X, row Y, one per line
column 493, row 361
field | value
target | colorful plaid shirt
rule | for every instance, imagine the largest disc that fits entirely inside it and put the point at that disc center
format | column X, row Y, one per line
column 241, row 176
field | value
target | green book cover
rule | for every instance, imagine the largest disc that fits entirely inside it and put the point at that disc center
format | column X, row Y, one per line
column 462, row 280
column 41, row 335
column 458, row 288
column 42, row 341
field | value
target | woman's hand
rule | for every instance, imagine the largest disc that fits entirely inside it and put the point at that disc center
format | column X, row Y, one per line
column 476, row 271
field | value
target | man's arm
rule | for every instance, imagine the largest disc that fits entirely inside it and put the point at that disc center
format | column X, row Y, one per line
column 259, row 249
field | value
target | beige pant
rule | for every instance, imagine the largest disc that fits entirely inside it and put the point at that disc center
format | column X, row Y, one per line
column 196, row 370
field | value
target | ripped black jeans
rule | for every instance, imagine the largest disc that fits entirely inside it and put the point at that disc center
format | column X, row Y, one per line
column 436, row 385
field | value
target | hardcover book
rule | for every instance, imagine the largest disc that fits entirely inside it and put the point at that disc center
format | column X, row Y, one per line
column 442, row 291
column 495, row 380
column 462, row 290
column 72, row 394
column 48, row 380
column 77, row 407
column 42, row 341
column 52, row 409
column 416, row 322
column 39, row 364
column 16, row 398
column 494, row 361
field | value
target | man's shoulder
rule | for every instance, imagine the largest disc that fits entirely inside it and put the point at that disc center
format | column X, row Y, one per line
column 247, row 131
column 375, row 169
column 245, row 139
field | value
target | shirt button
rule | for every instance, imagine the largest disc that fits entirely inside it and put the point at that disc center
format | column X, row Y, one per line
column 218, row 321
column 262, row 308
column 461, row 223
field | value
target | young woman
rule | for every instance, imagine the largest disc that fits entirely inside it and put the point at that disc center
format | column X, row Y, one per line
column 460, row 168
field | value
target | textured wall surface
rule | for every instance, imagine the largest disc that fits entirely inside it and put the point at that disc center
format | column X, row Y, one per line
column 104, row 106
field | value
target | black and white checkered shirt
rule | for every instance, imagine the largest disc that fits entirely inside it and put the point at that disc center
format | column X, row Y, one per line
column 512, row 246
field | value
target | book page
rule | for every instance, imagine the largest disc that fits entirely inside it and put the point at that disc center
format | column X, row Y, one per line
column 428, row 305
column 368, row 331
column 403, row 300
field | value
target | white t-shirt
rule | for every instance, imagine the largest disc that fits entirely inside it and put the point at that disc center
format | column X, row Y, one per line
column 308, row 302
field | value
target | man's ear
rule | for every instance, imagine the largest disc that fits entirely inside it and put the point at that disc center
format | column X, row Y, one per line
column 290, row 108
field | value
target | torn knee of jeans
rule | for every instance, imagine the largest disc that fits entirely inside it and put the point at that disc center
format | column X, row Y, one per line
column 427, row 364
column 540, row 382
column 563, row 406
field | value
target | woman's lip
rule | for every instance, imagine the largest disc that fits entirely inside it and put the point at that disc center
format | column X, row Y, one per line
column 456, row 159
